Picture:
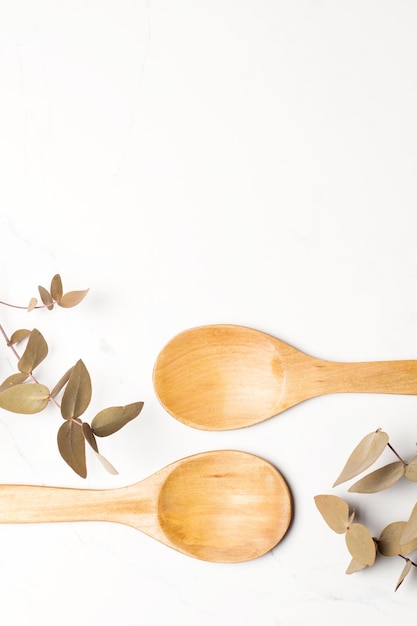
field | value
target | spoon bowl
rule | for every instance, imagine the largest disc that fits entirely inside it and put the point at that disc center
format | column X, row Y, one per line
column 224, row 376
column 221, row 506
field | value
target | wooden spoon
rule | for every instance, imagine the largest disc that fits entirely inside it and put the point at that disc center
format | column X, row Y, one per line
column 222, row 506
column 225, row 376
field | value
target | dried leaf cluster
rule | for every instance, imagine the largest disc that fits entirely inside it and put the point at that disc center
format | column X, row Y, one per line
column 396, row 539
column 22, row 393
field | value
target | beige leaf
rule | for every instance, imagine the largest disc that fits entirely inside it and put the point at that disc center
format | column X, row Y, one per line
column 106, row 464
column 406, row 570
column 19, row 335
column 109, row 421
column 354, row 567
column 77, row 394
column 56, row 288
column 46, row 297
column 14, row 379
column 71, row 445
column 361, row 544
column 35, row 352
column 411, row 470
column 380, row 479
column 389, row 543
column 72, row 298
column 410, row 529
column 334, row 511
column 61, row 383
column 91, row 440
column 368, row 450
column 26, row 398
column 32, row 304
column 389, row 540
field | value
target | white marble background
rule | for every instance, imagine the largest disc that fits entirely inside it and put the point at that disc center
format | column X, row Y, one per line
column 191, row 162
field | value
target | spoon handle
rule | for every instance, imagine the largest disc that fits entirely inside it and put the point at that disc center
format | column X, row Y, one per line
column 393, row 377
column 29, row 504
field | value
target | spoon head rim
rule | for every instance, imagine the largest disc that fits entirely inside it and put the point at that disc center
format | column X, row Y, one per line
column 190, row 366
column 238, row 508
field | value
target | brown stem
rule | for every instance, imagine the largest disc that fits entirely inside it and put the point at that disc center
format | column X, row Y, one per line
column 396, row 454
column 24, row 308
column 407, row 559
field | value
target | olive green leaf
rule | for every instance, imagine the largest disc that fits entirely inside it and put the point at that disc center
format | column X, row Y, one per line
column 89, row 436
column 354, row 567
column 409, row 532
column 334, row 511
column 56, row 288
column 46, row 297
column 411, row 470
column 77, row 394
column 406, row 570
column 13, row 379
column 72, row 298
column 361, row 544
column 32, row 304
column 389, row 542
column 19, row 335
column 91, row 440
column 61, row 383
column 71, row 445
column 109, row 421
column 380, row 479
column 366, row 452
column 35, row 352
column 26, row 398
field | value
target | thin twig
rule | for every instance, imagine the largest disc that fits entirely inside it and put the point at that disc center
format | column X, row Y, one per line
column 396, row 454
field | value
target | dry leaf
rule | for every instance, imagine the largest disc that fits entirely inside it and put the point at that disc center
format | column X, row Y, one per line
column 380, row 479
column 46, row 297
column 26, row 398
column 89, row 436
column 13, row 379
column 410, row 529
column 406, row 570
column 366, row 452
column 32, row 304
column 71, row 444
column 35, row 352
column 389, row 540
column 61, row 383
column 110, row 420
column 56, row 288
column 361, row 544
column 411, row 470
column 91, row 440
column 77, row 394
column 72, row 298
column 389, row 543
column 19, row 335
column 354, row 567
column 106, row 464
column 334, row 511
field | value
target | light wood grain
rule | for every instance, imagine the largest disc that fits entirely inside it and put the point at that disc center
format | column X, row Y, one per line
column 222, row 506
column 221, row 377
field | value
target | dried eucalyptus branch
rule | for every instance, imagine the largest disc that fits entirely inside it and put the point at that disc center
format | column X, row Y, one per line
column 396, row 539
column 22, row 393
column 55, row 295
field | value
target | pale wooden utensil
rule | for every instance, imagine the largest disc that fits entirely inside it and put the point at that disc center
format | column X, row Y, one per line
column 221, row 377
column 222, row 506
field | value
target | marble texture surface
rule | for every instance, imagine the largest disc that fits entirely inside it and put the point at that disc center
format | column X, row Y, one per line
column 192, row 163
